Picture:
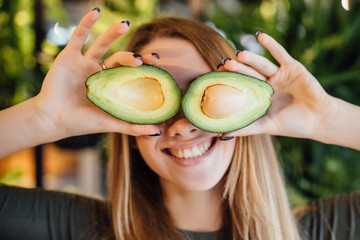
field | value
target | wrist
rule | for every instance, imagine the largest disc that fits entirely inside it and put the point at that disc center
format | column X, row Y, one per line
column 45, row 120
column 328, row 123
column 340, row 124
column 23, row 126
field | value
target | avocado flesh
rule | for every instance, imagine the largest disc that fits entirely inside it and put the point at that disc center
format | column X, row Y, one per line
column 217, row 96
column 142, row 95
column 251, row 102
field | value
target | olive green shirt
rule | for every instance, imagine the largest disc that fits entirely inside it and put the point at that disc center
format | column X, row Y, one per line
column 36, row 214
column 218, row 235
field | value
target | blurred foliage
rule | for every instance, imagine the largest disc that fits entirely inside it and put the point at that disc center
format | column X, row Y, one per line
column 19, row 59
column 319, row 33
column 11, row 177
column 17, row 43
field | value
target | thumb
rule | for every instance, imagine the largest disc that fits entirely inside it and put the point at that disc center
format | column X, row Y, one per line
column 112, row 124
column 256, row 127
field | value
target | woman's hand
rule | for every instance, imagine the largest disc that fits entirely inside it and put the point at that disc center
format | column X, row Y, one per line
column 62, row 101
column 61, row 109
column 300, row 106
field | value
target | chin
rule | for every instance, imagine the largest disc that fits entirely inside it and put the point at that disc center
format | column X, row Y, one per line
column 197, row 183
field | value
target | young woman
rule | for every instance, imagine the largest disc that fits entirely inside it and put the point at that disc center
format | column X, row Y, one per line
column 173, row 180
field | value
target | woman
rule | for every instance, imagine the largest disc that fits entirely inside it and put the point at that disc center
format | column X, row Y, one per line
column 233, row 188
column 245, row 199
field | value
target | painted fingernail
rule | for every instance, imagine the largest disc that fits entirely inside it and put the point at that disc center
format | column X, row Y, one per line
column 96, row 9
column 135, row 55
column 127, row 22
column 156, row 134
column 224, row 60
column 257, row 34
column 218, row 66
column 237, row 52
column 226, row 138
column 156, row 55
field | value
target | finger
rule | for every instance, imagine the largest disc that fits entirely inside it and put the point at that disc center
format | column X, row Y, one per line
column 151, row 59
column 123, row 59
column 252, row 129
column 259, row 63
column 81, row 32
column 220, row 67
column 235, row 66
column 111, row 124
column 102, row 43
column 261, row 126
column 275, row 49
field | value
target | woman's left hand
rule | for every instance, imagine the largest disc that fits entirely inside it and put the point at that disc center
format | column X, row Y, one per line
column 299, row 104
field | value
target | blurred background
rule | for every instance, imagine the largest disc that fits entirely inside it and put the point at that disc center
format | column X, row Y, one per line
column 322, row 34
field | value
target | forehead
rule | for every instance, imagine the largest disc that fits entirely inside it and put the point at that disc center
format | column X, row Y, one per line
column 179, row 57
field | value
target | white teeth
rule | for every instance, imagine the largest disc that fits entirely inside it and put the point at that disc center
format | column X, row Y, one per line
column 180, row 154
column 190, row 152
column 195, row 151
column 187, row 153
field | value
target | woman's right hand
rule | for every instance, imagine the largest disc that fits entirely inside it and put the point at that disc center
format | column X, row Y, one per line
column 62, row 102
column 61, row 109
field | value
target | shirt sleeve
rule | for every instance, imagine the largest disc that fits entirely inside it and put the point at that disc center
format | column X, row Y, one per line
column 37, row 214
column 337, row 217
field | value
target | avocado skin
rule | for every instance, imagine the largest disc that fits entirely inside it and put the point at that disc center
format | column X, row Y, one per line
column 170, row 90
column 192, row 100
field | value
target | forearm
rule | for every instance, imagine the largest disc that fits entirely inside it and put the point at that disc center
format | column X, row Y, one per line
column 342, row 127
column 23, row 126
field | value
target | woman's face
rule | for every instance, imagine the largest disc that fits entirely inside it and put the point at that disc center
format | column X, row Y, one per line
column 184, row 156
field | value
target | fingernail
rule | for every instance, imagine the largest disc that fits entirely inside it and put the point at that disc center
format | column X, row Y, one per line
column 96, row 9
column 127, row 22
column 237, row 52
column 218, row 66
column 156, row 134
column 224, row 60
column 257, row 34
column 156, row 55
column 226, row 138
column 135, row 55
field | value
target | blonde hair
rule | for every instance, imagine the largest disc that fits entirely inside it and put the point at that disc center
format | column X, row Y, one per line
column 256, row 203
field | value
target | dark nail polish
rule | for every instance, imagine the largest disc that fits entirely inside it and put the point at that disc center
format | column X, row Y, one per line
column 257, row 34
column 237, row 52
column 224, row 60
column 96, row 9
column 135, row 55
column 226, row 138
column 156, row 55
column 156, row 134
column 218, row 66
column 127, row 22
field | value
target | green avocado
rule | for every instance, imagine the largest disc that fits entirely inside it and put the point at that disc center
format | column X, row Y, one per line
column 226, row 101
column 142, row 95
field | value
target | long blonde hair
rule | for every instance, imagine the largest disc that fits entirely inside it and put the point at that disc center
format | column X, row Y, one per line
column 256, row 203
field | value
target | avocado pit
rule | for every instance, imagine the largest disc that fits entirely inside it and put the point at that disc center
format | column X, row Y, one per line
column 144, row 94
column 220, row 101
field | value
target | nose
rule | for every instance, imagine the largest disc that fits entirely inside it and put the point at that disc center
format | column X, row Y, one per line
column 179, row 126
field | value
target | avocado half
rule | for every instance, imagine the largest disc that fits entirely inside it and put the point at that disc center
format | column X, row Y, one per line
column 142, row 95
column 226, row 101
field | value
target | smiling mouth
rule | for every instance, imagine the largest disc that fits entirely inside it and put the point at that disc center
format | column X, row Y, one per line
column 191, row 152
